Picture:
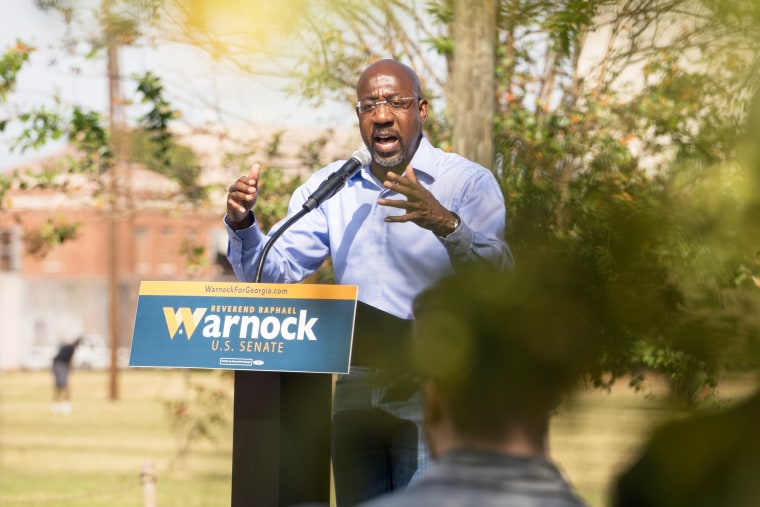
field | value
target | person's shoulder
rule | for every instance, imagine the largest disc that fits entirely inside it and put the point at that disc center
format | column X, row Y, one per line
column 449, row 162
column 719, row 445
column 398, row 499
column 448, row 157
column 418, row 494
column 468, row 496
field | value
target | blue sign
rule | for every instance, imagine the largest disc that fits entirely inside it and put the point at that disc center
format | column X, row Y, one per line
column 239, row 326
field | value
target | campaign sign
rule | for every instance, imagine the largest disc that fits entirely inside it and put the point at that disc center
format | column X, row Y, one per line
column 243, row 326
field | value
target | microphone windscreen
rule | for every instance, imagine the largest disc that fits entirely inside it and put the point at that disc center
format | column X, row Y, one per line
column 362, row 155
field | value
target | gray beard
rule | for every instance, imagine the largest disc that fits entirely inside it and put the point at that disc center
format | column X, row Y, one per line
column 390, row 162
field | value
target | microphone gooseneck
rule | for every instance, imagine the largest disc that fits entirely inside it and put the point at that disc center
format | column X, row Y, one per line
column 326, row 189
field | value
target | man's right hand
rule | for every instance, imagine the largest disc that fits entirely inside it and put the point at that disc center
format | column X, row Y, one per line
column 242, row 197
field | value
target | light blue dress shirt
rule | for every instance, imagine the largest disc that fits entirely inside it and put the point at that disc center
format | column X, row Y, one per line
column 391, row 263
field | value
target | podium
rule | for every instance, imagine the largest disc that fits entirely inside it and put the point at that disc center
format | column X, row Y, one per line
column 283, row 342
column 281, row 439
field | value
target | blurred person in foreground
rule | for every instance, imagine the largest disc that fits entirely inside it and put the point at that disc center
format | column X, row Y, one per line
column 61, row 369
column 410, row 216
column 709, row 460
column 496, row 353
column 712, row 459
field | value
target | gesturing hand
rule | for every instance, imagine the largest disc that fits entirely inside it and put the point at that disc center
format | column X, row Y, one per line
column 242, row 197
column 422, row 208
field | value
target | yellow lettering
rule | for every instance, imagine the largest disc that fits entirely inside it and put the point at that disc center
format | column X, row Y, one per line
column 258, row 346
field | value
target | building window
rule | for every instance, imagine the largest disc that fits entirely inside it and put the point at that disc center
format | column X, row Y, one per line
column 142, row 250
column 10, row 249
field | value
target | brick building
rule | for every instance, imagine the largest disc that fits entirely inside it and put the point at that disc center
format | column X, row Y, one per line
column 52, row 294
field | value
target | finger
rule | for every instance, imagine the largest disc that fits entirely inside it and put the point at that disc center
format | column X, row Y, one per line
column 399, row 184
column 393, row 203
column 254, row 171
column 246, row 194
column 392, row 180
column 233, row 205
column 396, row 219
column 236, row 210
column 410, row 174
column 396, row 186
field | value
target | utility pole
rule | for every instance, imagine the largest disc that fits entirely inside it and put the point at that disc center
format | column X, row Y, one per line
column 116, row 130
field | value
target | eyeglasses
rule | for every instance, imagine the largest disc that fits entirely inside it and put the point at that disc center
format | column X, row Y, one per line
column 396, row 103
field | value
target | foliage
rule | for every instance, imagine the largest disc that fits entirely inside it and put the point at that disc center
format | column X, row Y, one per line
column 119, row 22
column 42, row 125
column 321, row 46
column 597, row 162
column 195, row 256
column 596, row 172
column 198, row 418
column 156, row 120
column 593, row 160
column 52, row 233
column 84, row 129
column 10, row 64
column 93, row 145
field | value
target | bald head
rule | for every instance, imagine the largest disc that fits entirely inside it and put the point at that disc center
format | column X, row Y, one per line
column 393, row 67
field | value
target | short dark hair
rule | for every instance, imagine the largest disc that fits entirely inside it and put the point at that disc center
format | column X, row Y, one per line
column 503, row 346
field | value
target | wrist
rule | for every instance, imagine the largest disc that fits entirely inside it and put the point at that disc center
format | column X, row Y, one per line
column 453, row 225
column 243, row 223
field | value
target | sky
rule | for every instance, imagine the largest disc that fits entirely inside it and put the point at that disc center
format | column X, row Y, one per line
column 204, row 91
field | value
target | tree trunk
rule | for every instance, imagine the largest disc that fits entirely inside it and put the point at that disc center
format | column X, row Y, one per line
column 472, row 78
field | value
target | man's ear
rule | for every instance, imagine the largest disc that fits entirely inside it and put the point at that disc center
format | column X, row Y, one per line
column 423, row 110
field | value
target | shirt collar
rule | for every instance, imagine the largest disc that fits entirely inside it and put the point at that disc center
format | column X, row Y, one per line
column 424, row 160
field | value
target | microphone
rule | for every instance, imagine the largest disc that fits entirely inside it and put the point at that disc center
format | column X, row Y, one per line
column 336, row 180
column 326, row 189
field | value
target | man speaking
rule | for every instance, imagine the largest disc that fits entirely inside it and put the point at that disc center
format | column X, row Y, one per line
column 399, row 224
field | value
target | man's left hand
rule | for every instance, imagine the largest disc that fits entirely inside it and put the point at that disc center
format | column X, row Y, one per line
column 421, row 206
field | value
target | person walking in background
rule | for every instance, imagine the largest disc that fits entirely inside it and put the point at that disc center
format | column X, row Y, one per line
column 410, row 216
column 496, row 353
column 61, row 369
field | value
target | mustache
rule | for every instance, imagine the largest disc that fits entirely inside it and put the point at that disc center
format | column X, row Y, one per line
column 386, row 132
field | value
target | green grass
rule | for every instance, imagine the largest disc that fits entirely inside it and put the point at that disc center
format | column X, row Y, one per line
column 94, row 456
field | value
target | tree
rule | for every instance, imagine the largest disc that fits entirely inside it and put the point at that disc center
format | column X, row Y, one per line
column 592, row 167
column 102, row 148
column 472, row 79
column 590, row 157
